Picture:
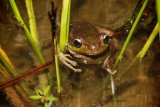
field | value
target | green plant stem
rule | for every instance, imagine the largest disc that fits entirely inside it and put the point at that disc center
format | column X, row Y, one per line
column 57, row 66
column 43, row 80
column 68, row 21
column 142, row 53
column 28, row 34
column 32, row 21
column 158, row 14
column 130, row 34
column 45, row 104
column 7, row 62
column 65, row 20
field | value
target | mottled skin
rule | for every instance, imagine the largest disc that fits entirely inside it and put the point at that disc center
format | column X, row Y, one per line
column 97, row 44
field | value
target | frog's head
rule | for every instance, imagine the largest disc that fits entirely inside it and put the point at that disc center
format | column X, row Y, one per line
column 90, row 40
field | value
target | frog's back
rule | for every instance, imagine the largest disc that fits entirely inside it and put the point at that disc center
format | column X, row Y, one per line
column 84, row 30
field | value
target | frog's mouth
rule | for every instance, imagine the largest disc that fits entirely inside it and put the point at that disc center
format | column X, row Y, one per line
column 93, row 58
column 88, row 50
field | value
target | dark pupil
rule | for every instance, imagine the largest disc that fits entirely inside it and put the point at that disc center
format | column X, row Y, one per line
column 105, row 39
column 77, row 43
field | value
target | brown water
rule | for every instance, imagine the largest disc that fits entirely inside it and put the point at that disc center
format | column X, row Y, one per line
column 138, row 88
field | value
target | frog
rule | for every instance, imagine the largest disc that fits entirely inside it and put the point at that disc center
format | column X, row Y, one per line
column 89, row 44
column 92, row 48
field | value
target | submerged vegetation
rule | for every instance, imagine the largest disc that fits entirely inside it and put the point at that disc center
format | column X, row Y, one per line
column 44, row 97
column 31, row 35
column 8, row 64
column 44, row 94
column 119, row 58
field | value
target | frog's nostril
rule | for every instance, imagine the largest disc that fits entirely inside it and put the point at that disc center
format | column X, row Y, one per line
column 92, row 47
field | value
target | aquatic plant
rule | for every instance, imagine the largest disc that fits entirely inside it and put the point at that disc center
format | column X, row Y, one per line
column 64, row 32
column 44, row 96
column 19, row 18
column 8, row 64
column 32, row 38
column 145, row 48
column 32, row 22
column 65, row 22
column 120, row 56
column 8, row 70
column 158, row 14
column 57, row 66
column 138, row 57
column 148, row 43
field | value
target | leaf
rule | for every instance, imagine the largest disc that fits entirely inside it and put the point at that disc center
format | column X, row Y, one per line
column 39, row 92
column 47, row 90
column 51, row 98
column 35, row 97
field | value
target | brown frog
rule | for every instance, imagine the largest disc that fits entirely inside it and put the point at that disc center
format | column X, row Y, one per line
column 94, row 47
column 89, row 44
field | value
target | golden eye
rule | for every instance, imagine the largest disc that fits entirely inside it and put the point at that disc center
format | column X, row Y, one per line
column 77, row 43
column 105, row 39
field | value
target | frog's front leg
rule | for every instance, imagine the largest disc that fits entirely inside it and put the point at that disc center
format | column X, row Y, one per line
column 107, row 64
column 68, row 62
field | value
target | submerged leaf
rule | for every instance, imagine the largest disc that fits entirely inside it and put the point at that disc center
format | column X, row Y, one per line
column 35, row 97
column 47, row 90
column 51, row 98
column 39, row 92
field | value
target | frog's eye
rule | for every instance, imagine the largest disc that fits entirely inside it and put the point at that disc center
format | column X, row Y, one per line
column 77, row 43
column 105, row 39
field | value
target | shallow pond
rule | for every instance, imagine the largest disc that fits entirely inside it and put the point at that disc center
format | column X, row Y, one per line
column 136, row 87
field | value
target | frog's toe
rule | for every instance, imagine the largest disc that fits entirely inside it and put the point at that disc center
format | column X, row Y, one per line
column 110, row 71
column 67, row 55
column 68, row 62
column 71, row 67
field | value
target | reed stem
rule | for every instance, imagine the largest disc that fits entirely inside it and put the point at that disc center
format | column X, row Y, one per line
column 130, row 34
column 65, row 22
column 158, row 14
